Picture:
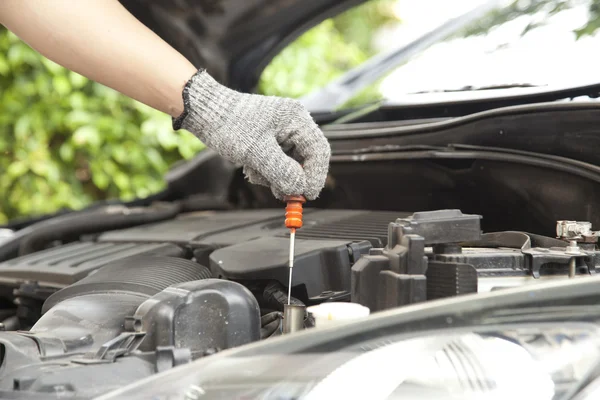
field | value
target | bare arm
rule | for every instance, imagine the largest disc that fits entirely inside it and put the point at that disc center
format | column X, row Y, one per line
column 101, row 40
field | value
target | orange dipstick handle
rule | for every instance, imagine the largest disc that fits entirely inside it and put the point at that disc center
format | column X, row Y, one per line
column 293, row 211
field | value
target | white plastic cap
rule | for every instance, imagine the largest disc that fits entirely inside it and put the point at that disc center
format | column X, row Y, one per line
column 327, row 314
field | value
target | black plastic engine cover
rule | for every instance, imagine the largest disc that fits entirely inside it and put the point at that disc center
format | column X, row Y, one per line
column 320, row 265
column 257, row 239
column 226, row 228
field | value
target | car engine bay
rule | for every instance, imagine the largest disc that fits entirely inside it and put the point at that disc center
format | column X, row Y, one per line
column 144, row 299
column 93, row 300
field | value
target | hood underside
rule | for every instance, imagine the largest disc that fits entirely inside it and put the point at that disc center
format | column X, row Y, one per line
column 234, row 40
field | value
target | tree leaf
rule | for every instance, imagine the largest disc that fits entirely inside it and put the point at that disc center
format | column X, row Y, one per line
column 100, row 179
column 78, row 81
column 61, row 85
column 167, row 139
column 87, row 136
column 17, row 169
column 4, row 67
column 22, row 127
column 66, row 151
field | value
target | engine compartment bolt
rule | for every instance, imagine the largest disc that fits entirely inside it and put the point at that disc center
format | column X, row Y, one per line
column 573, row 247
column 572, row 267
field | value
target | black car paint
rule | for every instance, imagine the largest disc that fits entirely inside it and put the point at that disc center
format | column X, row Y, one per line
column 451, row 108
column 234, row 40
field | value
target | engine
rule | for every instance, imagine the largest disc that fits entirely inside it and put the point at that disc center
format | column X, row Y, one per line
column 88, row 316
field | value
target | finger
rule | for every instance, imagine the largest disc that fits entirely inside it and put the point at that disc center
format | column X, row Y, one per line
column 278, row 195
column 284, row 174
column 255, row 177
column 313, row 149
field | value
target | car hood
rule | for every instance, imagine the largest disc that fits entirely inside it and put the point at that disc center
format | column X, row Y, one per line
column 353, row 360
column 234, row 40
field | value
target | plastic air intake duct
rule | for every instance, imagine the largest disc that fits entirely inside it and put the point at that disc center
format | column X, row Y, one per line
column 143, row 276
column 93, row 310
column 202, row 316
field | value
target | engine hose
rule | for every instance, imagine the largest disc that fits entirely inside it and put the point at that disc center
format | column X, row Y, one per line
column 37, row 236
column 270, row 324
column 22, row 223
column 93, row 310
column 275, row 296
column 144, row 275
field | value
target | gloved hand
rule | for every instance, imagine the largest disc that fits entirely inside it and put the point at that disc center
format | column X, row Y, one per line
column 258, row 133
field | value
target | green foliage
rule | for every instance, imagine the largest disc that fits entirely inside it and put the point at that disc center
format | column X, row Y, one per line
column 312, row 61
column 358, row 25
column 593, row 23
column 66, row 141
column 542, row 9
column 327, row 51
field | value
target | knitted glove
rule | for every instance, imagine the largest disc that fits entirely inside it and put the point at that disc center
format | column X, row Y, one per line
column 274, row 139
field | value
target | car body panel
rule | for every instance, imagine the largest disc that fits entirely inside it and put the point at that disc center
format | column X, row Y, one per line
column 234, row 40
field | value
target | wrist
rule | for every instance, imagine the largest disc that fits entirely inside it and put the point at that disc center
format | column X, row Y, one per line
column 178, row 121
column 205, row 103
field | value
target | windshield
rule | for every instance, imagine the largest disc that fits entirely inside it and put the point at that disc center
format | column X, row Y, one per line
column 513, row 44
column 540, row 42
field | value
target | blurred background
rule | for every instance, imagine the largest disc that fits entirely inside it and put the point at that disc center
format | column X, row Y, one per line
column 66, row 142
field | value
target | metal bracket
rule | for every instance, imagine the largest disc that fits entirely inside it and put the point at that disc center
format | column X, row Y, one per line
column 541, row 256
column 590, row 261
column 580, row 231
column 123, row 344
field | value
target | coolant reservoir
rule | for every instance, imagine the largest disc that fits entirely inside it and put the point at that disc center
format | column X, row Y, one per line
column 327, row 314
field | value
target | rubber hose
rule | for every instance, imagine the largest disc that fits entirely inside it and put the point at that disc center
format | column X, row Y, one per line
column 92, row 311
column 106, row 219
column 144, row 275
column 270, row 317
column 22, row 223
column 270, row 325
column 275, row 296
column 37, row 236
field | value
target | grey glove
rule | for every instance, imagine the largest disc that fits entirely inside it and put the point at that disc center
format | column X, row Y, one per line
column 275, row 139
